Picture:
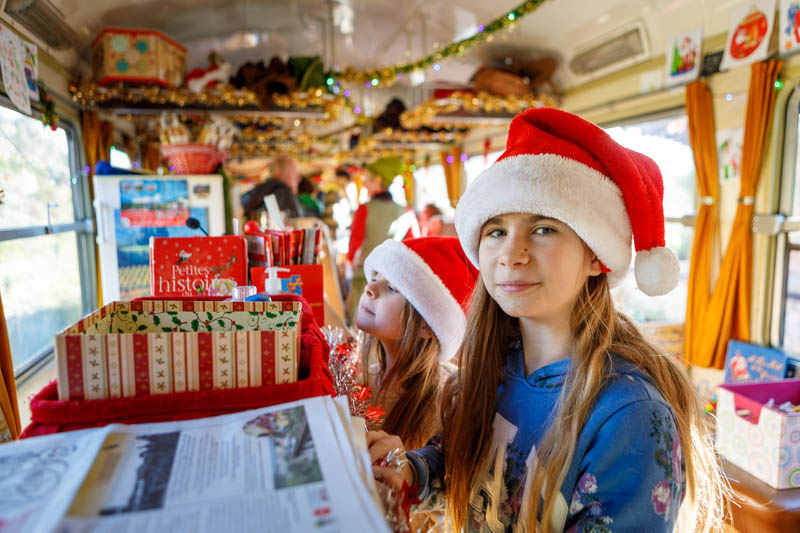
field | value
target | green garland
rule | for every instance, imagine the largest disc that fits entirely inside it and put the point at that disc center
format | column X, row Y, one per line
column 388, row 74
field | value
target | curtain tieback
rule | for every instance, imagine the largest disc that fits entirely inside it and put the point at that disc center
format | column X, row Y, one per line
column 747, row 200
column 707, row 200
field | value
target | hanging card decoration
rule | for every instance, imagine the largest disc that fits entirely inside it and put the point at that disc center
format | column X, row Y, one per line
column 12, row 59
column 751, row 25
column 31, row 69
column 684, row 57
column 789, row 24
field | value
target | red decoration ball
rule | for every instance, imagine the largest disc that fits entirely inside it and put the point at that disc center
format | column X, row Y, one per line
column 252, row 227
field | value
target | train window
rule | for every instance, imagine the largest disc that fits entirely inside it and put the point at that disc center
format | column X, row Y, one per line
column 785, row 332
column 431, row 188
column 120, row 159
column 664, row 138
column 48, row 275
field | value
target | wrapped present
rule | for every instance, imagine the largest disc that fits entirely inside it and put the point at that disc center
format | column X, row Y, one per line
column 137, row 55
column 758, row 429
column 197, row 266
column 139, row 348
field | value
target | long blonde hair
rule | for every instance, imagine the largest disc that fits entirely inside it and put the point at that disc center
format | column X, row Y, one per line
column 414, row 373
column 598, row 330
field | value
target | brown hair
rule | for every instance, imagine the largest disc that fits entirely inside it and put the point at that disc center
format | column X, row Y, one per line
column 415, row 374
column 598, row 330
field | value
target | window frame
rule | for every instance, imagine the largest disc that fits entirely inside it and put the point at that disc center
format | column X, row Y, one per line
column 784, row 247
column 83, row 227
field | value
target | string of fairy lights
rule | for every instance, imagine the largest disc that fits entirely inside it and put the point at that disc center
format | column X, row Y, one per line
column 384, row 76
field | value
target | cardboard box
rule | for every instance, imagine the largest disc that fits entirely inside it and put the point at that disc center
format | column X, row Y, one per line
column 761, row 440
column 197, row 266
column 304, row 280
column 137, row 55
column 158, row 347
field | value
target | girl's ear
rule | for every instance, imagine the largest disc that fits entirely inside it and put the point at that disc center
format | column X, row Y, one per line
column 426, row 332
column 595, row 267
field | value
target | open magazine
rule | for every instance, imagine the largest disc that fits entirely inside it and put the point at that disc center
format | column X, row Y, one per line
column 301, row 466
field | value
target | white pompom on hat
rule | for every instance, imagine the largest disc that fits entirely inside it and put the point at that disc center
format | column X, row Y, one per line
column 435, row 276
column 561, row 166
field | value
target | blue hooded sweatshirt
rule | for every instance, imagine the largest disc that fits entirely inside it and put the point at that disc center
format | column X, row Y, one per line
column 627, row 471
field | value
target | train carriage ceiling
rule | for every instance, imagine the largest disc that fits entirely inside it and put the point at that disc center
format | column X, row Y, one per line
column 374, row 33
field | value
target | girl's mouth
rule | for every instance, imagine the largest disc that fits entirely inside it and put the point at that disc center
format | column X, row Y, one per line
column 367, row 311
column 516, row 286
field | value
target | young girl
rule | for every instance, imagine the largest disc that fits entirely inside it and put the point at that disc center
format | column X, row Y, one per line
column 413, row 312
column 562, row 416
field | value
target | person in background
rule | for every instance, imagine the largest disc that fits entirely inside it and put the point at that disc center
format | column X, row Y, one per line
column 306, row 195
column 430, row 222
column 375, row 221
column 283, row 182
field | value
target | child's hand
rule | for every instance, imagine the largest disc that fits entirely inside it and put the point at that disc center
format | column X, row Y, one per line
column 380, row 444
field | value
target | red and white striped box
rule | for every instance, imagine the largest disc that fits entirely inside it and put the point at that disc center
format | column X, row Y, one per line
column 127, row 349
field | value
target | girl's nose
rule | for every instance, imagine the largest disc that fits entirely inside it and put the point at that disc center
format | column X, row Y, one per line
column 369, row 290
column 515, row 251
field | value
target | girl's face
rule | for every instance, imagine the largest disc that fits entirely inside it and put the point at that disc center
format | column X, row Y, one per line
column 380, row 309
column 534, row 267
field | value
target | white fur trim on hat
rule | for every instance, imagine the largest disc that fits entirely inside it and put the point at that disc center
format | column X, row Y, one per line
column 553, row 186
column 657, row 270
column 407, row 272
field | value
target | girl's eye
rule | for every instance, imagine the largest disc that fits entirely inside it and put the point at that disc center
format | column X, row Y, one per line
column 495, row 232
column 543, row 230
column 390, row 288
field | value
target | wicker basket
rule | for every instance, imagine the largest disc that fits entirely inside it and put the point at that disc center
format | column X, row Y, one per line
column 192, row 158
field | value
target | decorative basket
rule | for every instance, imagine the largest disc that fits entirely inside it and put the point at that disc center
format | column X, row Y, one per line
column 192, row 158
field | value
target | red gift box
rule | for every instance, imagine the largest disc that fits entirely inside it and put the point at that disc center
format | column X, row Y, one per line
column 302, row 280
column 50, row 415
column 197, row 266
column 138, row 348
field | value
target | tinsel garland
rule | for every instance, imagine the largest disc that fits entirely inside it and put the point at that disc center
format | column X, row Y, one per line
column 344, row 365
column 88, row 93
column 478, row 104
column 385, row 75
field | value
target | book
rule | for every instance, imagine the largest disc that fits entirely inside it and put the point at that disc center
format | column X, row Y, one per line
column 750, row 362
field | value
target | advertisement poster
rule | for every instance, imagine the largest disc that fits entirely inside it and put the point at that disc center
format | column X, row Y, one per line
column 749, row 33
column 149, row 208
column 684, row 58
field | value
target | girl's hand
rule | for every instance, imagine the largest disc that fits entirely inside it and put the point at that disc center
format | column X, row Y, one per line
column 381, row 443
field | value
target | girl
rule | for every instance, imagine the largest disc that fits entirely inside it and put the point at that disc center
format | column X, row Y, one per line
column 562, row 416
column 412, row 310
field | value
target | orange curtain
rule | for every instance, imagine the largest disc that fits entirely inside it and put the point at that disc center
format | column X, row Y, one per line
column 452, row 173
column 699, row 109
column 97, row 139
column 728, row 313
column 151, row 156
column 9, row 409
column 408, row 179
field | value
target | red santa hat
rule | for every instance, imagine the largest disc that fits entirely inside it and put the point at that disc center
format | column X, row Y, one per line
column 435, row 276
column 561, row 166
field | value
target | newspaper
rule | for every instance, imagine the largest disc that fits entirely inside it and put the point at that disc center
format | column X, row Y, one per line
column 301, row 466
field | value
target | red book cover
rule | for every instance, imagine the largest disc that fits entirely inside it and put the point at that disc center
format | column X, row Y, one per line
column 197, row 266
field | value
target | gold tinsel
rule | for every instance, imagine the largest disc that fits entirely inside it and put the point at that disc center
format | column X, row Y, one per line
column 87, row 93
column 481, row 104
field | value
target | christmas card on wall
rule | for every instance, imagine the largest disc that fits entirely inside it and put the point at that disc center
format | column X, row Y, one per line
column 197, row 266
column 749, row 33
column 684, row 57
